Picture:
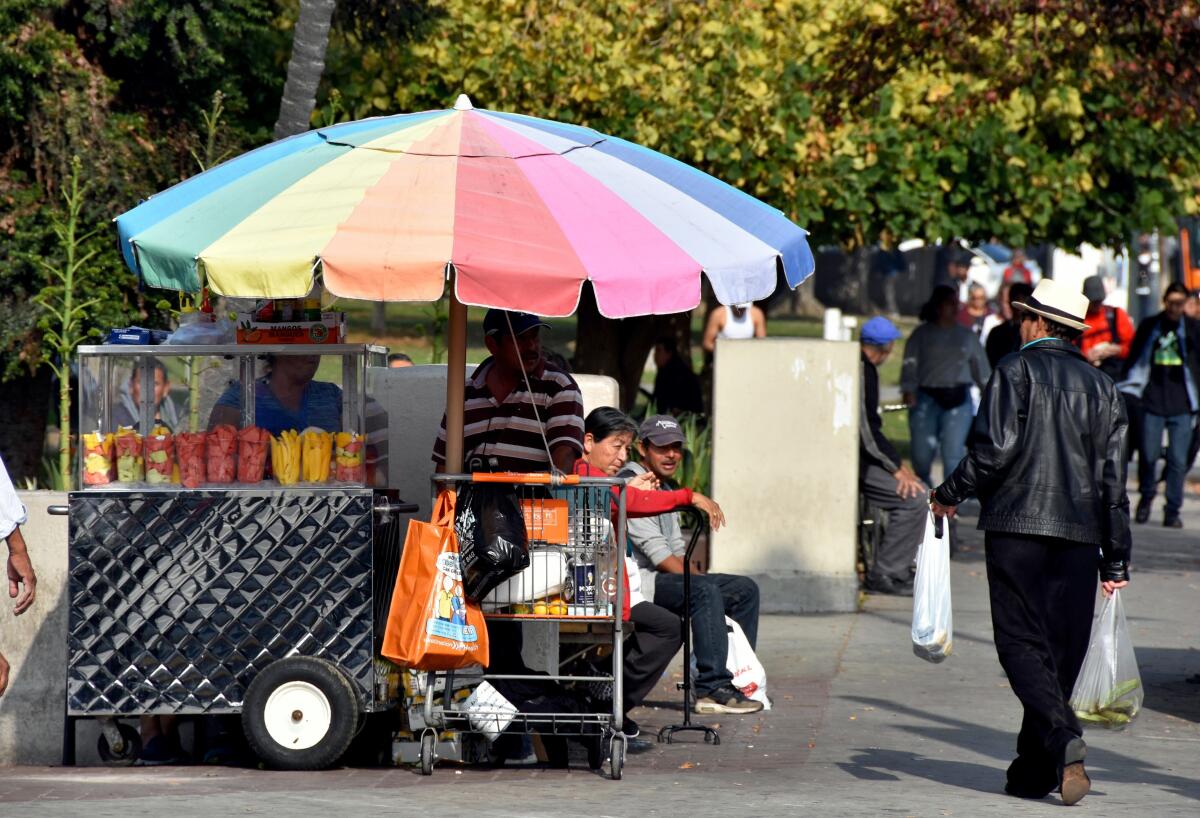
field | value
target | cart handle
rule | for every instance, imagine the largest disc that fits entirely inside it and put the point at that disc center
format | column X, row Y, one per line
column 397, row 508
column 535, row 479
column 57, row 511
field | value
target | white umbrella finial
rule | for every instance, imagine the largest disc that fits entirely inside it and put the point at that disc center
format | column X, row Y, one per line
column 463, row 103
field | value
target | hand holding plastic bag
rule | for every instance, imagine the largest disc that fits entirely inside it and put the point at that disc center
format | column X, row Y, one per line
column 1108, row 692
column 932, row 622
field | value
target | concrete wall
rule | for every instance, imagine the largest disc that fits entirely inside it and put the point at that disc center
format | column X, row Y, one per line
column 785, row 469
column 31, row 713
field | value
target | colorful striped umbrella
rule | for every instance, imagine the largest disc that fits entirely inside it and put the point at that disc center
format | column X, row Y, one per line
column 521, row 210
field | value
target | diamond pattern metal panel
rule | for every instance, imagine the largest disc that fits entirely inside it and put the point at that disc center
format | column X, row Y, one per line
column 178, row 599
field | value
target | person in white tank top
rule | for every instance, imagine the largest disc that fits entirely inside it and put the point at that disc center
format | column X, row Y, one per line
column 738, row 322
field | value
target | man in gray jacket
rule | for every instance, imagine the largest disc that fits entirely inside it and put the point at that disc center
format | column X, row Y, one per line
column 659, row 548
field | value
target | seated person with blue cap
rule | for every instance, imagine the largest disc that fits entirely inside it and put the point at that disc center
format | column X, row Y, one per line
column 884, row 480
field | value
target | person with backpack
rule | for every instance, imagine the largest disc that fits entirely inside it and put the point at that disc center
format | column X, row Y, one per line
column 1106, row 341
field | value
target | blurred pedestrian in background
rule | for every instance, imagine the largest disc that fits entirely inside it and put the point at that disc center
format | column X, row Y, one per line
column 942, row 360
column 1001, row 313
column 1005, row 339
column 974, row 314
column 737, row 322
column 1018, row 270
column 676, row 386
column 1163, row 370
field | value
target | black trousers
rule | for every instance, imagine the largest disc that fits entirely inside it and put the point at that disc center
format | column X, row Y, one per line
column 656, row 639
column 1043, row 591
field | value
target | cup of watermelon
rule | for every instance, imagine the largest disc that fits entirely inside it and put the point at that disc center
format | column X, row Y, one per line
column 253, row 448
column 222, row 453
column 189, row 448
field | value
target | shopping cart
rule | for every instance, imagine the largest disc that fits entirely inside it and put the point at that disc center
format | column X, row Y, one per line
column 575, row 578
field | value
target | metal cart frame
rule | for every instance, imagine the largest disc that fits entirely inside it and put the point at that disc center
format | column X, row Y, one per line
column 264, row 601
column 603, row 730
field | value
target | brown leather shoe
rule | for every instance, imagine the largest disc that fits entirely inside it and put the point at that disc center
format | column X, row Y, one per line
column 1075, row 783
column 1073, row 780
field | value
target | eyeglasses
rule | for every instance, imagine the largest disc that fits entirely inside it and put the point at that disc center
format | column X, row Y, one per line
column 1175, row 302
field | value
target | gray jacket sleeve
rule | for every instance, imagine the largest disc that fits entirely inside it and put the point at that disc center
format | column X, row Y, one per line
column 647, row 536
column 980, row 369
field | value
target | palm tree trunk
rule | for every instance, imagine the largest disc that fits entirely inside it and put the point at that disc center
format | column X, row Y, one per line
column 309, row 41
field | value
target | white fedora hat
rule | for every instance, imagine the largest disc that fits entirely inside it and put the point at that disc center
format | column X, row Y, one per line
column 1057, row 302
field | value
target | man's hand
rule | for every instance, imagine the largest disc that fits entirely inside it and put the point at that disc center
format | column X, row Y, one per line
column 1109, row 586
column 646, row 481
column 908, row 485
column 940, row 510
column 910, row 400
column 716, row 517
column 3, row 674
column 20, row 573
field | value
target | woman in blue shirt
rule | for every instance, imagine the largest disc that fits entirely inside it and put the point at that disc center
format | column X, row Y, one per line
column 287, row 397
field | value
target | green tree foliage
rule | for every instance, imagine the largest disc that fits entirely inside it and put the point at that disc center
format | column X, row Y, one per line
column 1023, row 119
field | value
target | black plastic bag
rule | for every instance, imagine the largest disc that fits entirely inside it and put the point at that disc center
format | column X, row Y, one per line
column 492, row 541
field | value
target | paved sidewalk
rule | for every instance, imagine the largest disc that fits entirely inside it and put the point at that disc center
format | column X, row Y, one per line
column 861, row 727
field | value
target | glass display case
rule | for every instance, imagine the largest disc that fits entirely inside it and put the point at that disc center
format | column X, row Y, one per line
column 229, row 416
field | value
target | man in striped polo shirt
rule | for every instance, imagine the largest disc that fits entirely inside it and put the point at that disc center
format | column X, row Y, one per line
column 500, row 428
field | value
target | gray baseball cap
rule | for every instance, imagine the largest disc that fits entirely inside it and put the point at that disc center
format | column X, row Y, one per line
column 662, row 430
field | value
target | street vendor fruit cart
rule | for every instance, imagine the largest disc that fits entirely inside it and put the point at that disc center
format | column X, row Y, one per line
column 220, row 563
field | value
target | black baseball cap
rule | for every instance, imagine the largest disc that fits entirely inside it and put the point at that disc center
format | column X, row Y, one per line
column 495, row 321
column 662, row 430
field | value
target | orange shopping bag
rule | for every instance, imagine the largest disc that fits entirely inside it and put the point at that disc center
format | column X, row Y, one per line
column 431, row 625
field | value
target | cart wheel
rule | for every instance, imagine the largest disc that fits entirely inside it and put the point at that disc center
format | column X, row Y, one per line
column 131, row 749
column 300, row 713
column 428, row 744
column 616, row 758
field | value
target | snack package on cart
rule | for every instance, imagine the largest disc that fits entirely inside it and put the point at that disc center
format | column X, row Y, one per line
column 222, row 453
column 252, row 454
column 351, row 462
column 98, row 468
column 130, row 466
column 317, row 447
column 159, row 449
column 189, row 449
column 285, row 457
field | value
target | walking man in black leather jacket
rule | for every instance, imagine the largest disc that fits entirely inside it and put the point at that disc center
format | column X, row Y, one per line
column 1046, row 461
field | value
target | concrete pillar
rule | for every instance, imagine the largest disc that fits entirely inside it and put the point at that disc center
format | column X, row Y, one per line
column 785, row 469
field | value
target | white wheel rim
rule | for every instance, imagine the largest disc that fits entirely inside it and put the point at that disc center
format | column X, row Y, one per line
column 297, row 715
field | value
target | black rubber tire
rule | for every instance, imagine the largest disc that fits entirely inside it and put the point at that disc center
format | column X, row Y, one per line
column 343, row 705
column 616, row 758
column 428, row 743
column 131, row 753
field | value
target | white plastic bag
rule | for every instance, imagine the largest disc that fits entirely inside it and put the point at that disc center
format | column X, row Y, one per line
column 741, row 661
column 1108, row 692
column 749, row 676
column 489, row 712
column 932, row 622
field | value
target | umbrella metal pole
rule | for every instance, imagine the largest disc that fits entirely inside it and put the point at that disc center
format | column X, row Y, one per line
column 456, row 368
